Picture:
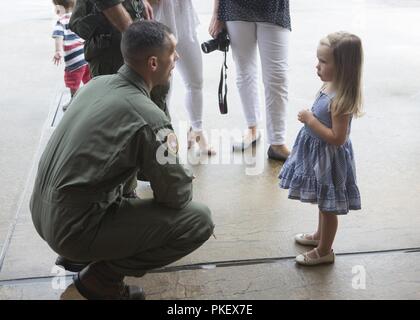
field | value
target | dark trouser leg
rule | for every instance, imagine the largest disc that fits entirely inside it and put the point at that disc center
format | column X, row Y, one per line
column 142, row 235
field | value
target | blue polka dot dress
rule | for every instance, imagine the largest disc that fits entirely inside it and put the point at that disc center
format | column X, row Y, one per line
column 318, row 172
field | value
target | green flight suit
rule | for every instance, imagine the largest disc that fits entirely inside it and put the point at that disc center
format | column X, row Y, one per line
column 111, row 131
column 102, row 47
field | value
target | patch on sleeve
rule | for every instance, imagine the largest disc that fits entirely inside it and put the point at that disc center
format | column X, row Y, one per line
column 172, row 142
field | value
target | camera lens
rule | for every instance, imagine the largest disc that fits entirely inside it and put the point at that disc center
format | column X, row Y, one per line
column 205, row 48
column 210, row 46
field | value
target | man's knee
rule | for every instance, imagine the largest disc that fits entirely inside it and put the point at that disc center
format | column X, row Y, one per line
column 203, row 222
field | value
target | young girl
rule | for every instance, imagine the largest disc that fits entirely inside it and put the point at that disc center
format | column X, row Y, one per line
column 321, row 167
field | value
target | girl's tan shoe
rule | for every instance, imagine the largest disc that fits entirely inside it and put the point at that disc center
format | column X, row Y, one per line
column 306, row 239
column 305, row 260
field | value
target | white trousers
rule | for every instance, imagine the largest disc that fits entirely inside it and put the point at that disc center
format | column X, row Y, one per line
column 273, row 44
column 181, row 17
column 190, row 67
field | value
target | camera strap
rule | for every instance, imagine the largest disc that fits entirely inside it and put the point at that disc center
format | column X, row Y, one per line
column 223, row 85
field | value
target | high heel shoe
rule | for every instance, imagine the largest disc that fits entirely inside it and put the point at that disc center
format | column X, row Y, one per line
column 246, row 143
column 199, row 138
column 276, row 155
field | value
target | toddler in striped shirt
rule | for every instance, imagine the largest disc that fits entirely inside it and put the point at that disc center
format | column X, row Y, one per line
column 70, row 47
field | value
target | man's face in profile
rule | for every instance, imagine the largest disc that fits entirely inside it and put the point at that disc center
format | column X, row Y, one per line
column 166, row 61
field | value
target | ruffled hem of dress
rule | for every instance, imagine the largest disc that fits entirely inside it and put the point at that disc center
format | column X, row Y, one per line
column 328, row 197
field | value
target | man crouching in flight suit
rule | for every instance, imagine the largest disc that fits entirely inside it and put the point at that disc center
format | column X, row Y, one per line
column 111, row 131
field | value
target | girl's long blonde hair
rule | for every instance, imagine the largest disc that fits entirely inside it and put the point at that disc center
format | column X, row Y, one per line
column 348, row 59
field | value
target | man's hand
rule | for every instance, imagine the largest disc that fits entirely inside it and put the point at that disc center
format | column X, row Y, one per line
column 148, row 10
column 305, row 116
column 57, row 57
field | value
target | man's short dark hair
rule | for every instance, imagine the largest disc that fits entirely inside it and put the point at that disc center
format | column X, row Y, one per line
column 65, row 3
column 143, row 38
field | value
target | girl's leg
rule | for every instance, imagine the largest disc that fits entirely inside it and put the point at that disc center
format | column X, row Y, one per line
column 243, row 39
column 317, row 234
column 322, row 254
column 273, row 44
column 328, row 230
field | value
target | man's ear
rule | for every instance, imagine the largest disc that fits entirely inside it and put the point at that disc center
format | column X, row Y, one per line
column 152, row 63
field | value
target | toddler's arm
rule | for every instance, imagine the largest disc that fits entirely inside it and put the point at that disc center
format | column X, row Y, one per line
column 337, row 135
column 59, row 47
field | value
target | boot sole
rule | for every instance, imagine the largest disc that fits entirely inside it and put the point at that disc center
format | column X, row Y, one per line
column 72, row 267
column 91, row 296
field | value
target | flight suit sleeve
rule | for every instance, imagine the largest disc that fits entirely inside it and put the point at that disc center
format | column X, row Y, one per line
column 105, row 4
column 159, row 163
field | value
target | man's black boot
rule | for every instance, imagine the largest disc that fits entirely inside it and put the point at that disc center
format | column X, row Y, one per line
column 99, row 282
column 69, row 265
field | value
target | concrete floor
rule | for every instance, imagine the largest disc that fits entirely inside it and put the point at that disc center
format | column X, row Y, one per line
column 252, row 257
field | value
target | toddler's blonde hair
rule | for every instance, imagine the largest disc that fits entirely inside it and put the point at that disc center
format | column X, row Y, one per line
column 348, row 59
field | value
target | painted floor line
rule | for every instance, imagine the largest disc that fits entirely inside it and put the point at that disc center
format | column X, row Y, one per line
column 207, row 266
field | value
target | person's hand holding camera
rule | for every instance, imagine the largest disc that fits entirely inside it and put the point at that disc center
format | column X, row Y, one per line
column 216, row 26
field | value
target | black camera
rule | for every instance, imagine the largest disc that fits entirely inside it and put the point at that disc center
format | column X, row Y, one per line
column 221, row 43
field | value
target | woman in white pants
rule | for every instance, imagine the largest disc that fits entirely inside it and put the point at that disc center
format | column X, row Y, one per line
column 265, row 25
column 181, row 18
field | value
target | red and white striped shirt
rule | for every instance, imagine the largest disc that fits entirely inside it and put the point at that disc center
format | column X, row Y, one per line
column 74, row 57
